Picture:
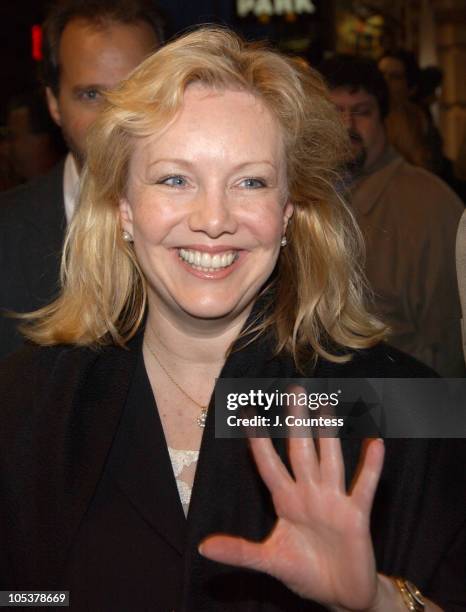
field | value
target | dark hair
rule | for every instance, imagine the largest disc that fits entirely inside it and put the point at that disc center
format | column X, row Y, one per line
column 95, row 11
column 410, row 65
column 429, row 79
column 354, row 73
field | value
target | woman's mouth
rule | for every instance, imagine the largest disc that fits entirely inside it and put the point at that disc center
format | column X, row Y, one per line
column 206, row 262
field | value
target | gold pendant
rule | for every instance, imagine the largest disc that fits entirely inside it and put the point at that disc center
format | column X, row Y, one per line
column 201, row 419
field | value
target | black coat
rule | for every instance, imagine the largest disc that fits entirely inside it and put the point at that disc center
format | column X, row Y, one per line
column 61, row 410
column 32, row 226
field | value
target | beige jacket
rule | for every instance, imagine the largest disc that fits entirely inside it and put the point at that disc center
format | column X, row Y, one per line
column 409, row 219
column 461, row 270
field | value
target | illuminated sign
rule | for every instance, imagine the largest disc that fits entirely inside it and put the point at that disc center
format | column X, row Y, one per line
column 36, row 43
column 270, row 8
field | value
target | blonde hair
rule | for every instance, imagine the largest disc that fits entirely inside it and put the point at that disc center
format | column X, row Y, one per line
column 318, row 291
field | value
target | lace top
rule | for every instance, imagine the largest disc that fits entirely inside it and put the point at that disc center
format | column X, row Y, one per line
column 181, row 460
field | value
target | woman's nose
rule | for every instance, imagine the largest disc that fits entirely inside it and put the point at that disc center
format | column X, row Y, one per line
column 212, row 213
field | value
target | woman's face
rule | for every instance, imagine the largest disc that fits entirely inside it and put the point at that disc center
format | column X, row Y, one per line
column 206, row 204
column 395, row 76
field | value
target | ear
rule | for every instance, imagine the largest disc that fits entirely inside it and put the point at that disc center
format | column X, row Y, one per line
column 287, row 214
column 54, row 108
column 126, row 215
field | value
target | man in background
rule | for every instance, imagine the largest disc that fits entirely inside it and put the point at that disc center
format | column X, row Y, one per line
column 34, row 141
column 409, row 219
column 90, row 46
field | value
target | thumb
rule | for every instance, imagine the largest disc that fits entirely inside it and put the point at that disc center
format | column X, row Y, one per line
column 233, row 551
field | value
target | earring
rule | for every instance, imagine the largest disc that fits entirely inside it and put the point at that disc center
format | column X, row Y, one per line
column 283, row 241
column 127, row 236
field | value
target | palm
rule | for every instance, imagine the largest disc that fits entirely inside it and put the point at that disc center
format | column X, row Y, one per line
column 320, row 546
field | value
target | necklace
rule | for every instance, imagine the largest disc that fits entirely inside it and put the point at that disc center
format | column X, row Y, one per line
column 201, row 419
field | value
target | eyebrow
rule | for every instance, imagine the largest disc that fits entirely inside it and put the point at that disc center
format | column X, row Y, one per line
column 189, row 164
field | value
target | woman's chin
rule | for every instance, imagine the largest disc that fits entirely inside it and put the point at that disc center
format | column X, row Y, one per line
column 212, row 312
column 204, row 300
column 216, row 311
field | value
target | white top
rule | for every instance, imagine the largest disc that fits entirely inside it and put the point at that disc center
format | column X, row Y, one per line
column 182, row 459
column 70, row 186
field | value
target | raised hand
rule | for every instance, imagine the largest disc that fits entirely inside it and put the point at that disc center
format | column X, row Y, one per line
column 320, row 546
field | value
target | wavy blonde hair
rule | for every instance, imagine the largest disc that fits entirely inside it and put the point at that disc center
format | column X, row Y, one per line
column 318, row 286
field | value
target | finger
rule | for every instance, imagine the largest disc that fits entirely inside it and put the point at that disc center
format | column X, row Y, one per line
column 301, row 447
column 233, row 551
column 368, row 474
column 271, row 468
column 332, row 469
column 303, row 459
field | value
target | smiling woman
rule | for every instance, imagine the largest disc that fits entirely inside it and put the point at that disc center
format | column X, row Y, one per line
column 192, row 116
column 207, row 205
column 210, row 242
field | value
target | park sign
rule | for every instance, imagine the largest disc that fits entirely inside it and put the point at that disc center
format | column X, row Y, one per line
column 274, row 8
column 296, row 27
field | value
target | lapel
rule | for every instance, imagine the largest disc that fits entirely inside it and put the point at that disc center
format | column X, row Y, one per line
column 228, row 497
column 76, row 422
column 44, row 226
column 142, row 467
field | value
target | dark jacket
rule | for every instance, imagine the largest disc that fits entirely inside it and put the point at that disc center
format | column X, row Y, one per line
column 61, row 415
column 32, row 226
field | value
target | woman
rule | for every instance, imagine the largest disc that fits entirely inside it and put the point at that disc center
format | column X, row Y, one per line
column 406, row 124
column 210, row 242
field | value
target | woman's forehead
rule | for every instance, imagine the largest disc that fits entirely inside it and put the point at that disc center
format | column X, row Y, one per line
column 226, row 121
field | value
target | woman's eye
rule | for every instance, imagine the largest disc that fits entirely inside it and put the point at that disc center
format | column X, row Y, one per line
column 173, row 181
column 253, row 183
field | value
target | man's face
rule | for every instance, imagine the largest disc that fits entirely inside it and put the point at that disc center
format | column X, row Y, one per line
column 361, row 115
column 93, row 59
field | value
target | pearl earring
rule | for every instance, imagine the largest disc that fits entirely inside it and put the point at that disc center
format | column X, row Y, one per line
column 284, row 241
column 127, row 236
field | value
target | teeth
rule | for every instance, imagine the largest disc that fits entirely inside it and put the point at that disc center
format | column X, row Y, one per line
column 206, row 262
